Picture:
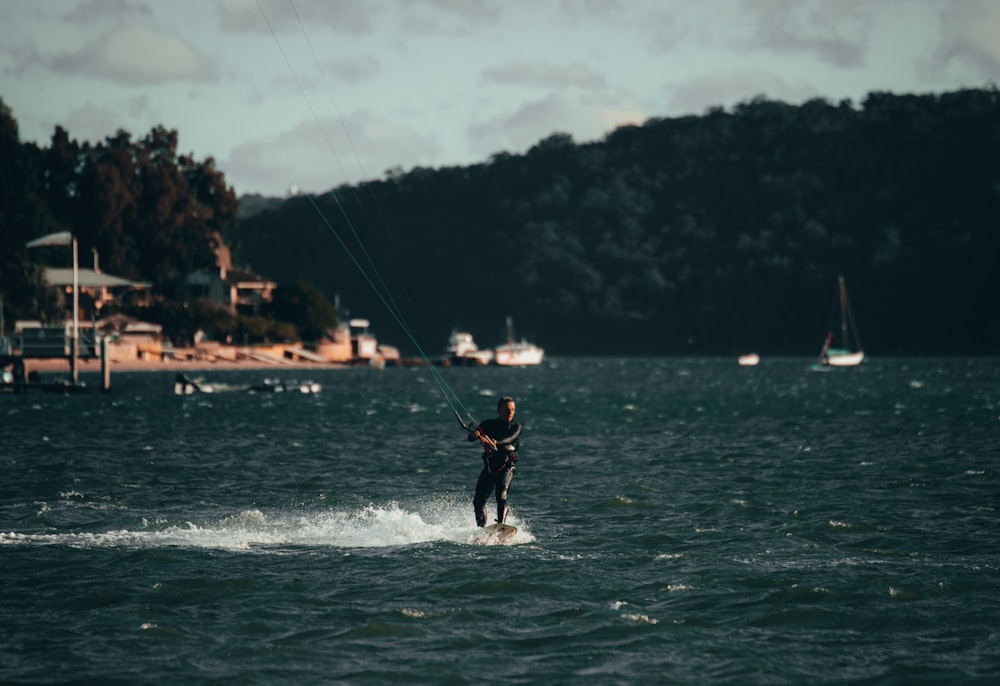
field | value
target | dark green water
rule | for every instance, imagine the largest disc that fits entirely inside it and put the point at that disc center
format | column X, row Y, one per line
column 681, row 521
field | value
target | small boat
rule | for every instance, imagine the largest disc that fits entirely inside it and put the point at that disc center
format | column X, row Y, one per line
column 749, row 360
column 280, row 386
column 184, row 385
column 518, row 354
column 848, row 352
column 462, row 349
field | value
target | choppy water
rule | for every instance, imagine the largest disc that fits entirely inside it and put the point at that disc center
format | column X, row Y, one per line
column 681, row 521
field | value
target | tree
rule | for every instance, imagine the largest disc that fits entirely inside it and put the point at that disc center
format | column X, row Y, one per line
column 302, row 304
column 23, row 216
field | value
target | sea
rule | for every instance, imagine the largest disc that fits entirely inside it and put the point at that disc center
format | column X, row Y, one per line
column 680, row 521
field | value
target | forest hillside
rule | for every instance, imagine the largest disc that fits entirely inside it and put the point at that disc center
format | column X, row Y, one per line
column 714, row 234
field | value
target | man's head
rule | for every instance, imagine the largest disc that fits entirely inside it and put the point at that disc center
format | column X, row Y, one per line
column 506, row 407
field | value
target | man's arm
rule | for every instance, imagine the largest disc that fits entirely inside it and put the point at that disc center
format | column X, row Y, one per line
column 510, row 441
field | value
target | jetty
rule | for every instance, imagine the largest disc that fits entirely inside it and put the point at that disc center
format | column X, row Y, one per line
column 33, row 341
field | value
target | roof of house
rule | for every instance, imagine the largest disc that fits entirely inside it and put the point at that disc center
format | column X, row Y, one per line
column 125, row 324
column 237, row 276
column 233, row 277
column 63, row 276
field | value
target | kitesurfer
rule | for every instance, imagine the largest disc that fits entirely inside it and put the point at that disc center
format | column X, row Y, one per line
column 499, row 437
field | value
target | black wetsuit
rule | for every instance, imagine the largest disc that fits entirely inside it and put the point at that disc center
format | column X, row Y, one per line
column 498, row 466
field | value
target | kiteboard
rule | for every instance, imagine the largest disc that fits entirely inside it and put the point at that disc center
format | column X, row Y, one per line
column 500, row 532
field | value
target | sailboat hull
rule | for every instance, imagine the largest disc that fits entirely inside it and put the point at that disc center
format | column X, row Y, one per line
column 844, row 359
column 522, row 354
column 519, row 355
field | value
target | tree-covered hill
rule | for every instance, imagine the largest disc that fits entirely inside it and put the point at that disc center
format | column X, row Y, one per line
column 139, row 209
column 713, row 234
column 150, row 213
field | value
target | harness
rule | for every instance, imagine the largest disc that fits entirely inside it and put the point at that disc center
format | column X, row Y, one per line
column 508, row 460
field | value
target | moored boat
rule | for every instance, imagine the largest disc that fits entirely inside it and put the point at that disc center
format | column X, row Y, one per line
column 183, row 385
column 462, row 349
column 848, row 352
column 517, row 353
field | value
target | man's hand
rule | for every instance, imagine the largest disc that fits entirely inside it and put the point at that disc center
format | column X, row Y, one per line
column 486, row 440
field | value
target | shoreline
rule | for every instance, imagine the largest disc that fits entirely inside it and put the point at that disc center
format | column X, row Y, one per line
column 54, row 373
column 61, row 366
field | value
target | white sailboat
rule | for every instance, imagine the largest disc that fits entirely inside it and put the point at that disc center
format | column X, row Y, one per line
column 517, row 354
column 848, row 353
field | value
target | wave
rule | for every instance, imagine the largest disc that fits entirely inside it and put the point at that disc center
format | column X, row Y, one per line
column 369, row 526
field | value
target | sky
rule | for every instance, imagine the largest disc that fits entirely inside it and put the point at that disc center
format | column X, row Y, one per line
column 303, row 95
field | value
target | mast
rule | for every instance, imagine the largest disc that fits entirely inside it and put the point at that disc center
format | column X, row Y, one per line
column 843, row 310
column 73, row 364
column 826, row 346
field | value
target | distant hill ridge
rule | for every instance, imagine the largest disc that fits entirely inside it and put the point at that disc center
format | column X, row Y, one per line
column 713, row 234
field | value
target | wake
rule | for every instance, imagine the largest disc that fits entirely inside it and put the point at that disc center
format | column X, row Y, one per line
column 369, row 526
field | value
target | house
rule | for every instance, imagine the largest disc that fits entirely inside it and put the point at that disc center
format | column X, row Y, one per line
column 238, row 291
column 97, row 289
column 131, row 339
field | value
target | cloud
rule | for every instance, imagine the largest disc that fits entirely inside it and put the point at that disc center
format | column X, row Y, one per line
column 612, row 119
column 666, row 32
column 354, row 71
column 577, row 11
column 834, row 32
column 92, row 123
column 696, row 95
column 449, row 17
column 586, row 115
column 20, row 57
column 138, row 106
column 91, row 11
column 547, row 75
column 969, row 35
column 352, row 17
column 135, row 56
column 318, row 157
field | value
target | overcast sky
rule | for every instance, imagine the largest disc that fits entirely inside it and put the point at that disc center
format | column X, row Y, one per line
column 312, row 93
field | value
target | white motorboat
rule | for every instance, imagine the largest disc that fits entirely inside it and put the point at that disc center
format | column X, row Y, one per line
column 462, row 348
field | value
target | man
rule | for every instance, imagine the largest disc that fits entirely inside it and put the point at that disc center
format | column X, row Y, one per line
column 499, row 437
